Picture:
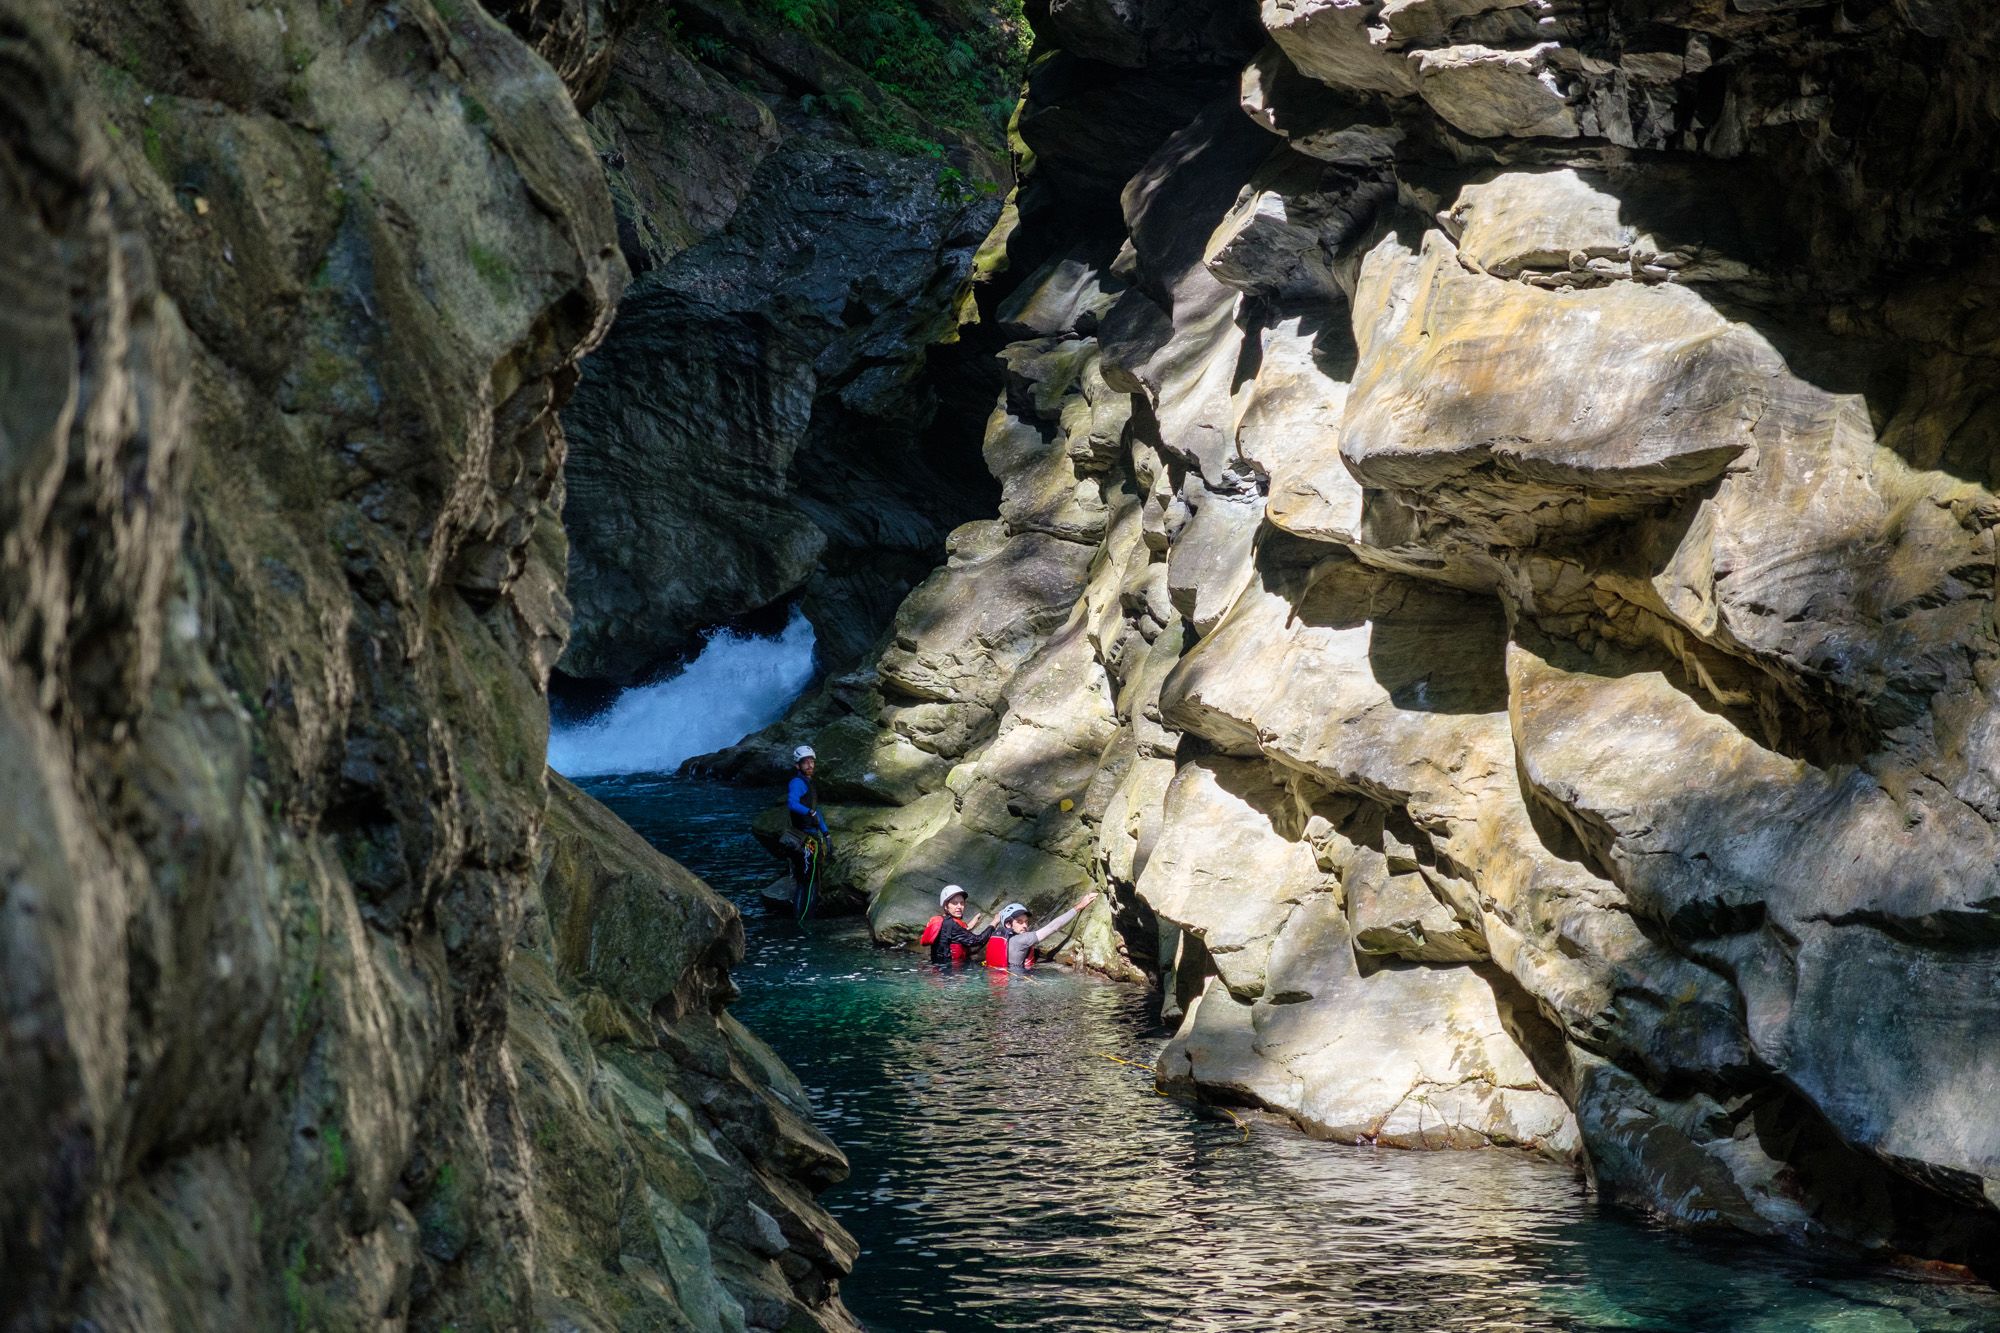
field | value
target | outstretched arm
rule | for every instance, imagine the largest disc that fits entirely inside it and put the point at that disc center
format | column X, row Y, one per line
column 956, row 932
column 1049, row 931
column 1052, row 929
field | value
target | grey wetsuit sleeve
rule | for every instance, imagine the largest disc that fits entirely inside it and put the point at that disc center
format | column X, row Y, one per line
column 1019, row 945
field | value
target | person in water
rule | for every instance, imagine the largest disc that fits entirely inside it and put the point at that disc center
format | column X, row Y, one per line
column 1013, row 943
column 808, row 840
column 955, row 939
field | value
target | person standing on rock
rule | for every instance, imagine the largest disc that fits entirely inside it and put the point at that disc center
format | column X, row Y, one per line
column 807, row 841
column 1013, row 946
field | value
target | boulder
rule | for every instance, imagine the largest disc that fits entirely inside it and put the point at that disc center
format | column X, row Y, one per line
column 1228, row 867
column 1412, row 1058
column 1488, row 93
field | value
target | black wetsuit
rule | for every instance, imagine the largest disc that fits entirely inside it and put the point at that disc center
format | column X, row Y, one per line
column 954, row 931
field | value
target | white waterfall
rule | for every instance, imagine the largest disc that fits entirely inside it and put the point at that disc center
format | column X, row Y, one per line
column 734, row 686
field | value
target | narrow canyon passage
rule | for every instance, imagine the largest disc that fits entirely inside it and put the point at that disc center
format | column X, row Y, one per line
column 1467, row 529
column 1006, row 1175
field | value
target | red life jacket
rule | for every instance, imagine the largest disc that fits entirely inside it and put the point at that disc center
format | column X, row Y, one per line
column 996, row 953
column 931, row 931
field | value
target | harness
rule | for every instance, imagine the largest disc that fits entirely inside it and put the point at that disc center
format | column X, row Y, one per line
column 803, row 894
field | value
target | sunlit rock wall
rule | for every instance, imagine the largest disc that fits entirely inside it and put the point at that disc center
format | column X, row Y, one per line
column 292, row 291
column 1495, row 574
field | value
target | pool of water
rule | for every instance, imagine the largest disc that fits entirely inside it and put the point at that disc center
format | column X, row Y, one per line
column 1010, row 1171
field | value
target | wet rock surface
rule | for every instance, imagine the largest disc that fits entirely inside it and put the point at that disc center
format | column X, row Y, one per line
column 754, row 428
column 1494, row 573
column 666, row 1134
column 294, row 981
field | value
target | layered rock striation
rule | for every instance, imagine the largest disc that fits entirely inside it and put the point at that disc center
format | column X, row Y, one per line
column 754, row 429
column 308, row 1020
column 1495, row 573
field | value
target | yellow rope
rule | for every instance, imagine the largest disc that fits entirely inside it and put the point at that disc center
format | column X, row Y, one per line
column 1121, row 1060
column 1234, row 1119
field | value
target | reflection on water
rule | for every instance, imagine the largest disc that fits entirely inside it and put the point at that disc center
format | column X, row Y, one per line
column 1008, row 1176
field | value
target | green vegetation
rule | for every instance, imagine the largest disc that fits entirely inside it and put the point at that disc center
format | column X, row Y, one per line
column 335, row 1149
column 956, row 63
column 954, row 186
column 967, row 79
column 493, row 267
column 302, row 1014
column 152, row 137
column 156, row 148
column 299, row 1298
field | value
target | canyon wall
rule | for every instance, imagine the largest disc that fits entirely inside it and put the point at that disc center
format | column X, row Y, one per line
column 1494, row 573
column 755, row 429
column 308, row 1019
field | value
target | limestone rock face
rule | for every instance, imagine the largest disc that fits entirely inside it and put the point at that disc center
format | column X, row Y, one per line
column 293, row 294
column 1533, row 681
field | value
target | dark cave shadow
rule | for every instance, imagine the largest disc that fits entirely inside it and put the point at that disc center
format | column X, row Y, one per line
column 1735, row 210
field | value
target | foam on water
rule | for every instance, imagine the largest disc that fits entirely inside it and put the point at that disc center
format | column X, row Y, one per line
column 734, row 686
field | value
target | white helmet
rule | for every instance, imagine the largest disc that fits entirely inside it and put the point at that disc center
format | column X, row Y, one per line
column 803, row 753
column 950, row 891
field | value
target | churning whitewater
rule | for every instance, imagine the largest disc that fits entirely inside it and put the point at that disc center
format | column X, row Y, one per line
column 737, row 684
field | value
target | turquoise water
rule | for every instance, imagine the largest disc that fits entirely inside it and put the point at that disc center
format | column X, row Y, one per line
column 1009, row 1176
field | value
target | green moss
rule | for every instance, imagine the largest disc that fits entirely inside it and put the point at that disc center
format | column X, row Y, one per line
column 475, row 110
column 155, row 147
column 492, row 267
column 129, row 59
column 307, row 1003
column 318, row 376
column 299, row 1298
column 153, row 137
column 334, row 1151
column 448, row 10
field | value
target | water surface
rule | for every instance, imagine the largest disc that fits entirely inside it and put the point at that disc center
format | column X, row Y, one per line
column 1008, row 1175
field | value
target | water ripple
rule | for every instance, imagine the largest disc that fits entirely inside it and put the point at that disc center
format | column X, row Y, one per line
column 1006, row 1176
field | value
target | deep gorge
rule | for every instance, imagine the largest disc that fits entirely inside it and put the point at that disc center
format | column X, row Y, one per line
column 1472, row 522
